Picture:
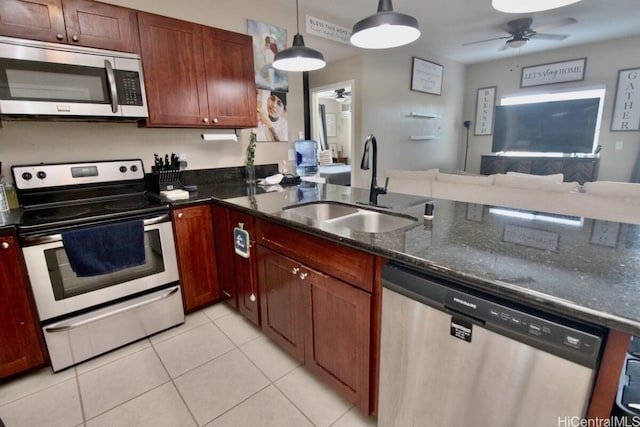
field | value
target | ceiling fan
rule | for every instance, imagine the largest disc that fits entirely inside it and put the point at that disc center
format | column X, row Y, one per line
column 520, row 32
column 342, row 95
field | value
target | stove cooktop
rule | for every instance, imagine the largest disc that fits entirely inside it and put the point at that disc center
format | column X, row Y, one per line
column 81, row 214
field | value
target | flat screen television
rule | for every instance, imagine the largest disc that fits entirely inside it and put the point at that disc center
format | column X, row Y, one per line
column 546, row 127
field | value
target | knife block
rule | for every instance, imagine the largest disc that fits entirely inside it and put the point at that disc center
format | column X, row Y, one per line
column 165, row 180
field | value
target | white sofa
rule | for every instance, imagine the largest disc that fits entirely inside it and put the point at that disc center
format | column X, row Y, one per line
column 606, row 200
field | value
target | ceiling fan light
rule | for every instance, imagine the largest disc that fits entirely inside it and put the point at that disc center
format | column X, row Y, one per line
column 341, row 99
column 529, row 6
column 385, row 29
column 516, row 43
column 298, row 57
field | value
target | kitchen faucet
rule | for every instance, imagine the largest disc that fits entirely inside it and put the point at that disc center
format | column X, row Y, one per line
column 364, row 165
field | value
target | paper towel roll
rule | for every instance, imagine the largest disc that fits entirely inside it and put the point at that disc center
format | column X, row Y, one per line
column 220, row 137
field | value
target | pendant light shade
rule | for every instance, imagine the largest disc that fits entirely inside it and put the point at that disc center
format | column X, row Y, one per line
column 298, row 57
column 528, row 6
column 385, row 29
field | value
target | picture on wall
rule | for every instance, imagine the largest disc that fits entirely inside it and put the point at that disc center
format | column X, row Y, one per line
column 267, row 41
column 272, row 116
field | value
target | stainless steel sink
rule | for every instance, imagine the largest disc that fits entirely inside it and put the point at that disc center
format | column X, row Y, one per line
column 352, row 217
column 322, row 211
column 372, row 221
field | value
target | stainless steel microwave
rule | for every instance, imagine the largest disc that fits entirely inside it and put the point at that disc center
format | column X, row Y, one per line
column 49, row 79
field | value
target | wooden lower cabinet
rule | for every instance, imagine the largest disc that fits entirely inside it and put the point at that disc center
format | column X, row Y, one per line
column 337, row 338
column 21, row 343
column 314, row 313
column 195, row 249
column 238, row 277
column 282, row 300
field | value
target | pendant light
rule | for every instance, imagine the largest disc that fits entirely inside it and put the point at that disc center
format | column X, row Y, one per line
column 385, row 29
column 520, row 6
column 298, row 57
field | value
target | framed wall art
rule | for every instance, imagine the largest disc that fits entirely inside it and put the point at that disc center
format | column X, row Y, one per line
column 626, row 108
column 555, row 72
column 485, row 107
column 426, row 76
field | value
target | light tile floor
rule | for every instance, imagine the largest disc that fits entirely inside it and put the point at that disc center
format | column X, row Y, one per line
column 216, row 369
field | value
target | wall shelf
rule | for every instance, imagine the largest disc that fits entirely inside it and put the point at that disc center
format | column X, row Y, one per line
column 424, row 115
column 422, row 137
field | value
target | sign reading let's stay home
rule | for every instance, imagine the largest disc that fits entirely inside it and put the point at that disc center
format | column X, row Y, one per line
column 557, row 72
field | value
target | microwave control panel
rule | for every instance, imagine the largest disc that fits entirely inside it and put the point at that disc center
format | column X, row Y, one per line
column 128, row 86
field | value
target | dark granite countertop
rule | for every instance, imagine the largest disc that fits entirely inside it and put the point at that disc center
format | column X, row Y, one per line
column 576, row 267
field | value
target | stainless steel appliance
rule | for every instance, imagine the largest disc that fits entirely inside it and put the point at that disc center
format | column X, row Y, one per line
column 452, row 356
column 49, row 79
column 83, row 315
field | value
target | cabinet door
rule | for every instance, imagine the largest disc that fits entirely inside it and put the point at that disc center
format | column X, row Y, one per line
column 225, row 255
column 100, row 25
column 337, row 338
column 282, row 301
column 173, row 69
column 245, row 270
column 231, row 87
column 193, row 229
column 33, row 19
column 20, row 335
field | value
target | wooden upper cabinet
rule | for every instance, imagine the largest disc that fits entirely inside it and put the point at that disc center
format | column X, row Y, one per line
column 230, row 78
column 196, row 76
column 33, row 19
column 173, row 71
column 78, row 22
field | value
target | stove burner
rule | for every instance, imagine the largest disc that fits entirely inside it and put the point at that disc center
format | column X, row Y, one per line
column 127, row 204
column 62, row 213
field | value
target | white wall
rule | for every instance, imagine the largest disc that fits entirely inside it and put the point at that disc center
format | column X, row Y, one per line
column 603, row 62
column 382, row 103
column 24, row 142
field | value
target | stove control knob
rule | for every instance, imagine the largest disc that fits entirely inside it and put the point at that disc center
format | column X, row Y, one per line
column 41, row 175
column 123, row 169
column 134, row 168
column 27, row 176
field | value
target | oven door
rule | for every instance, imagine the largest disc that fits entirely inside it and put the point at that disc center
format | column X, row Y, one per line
column 59, row 292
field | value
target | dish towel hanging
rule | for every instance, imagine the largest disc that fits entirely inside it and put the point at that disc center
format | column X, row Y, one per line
column 105, row 248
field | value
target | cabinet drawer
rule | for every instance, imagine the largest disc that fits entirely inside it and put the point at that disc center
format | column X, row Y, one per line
column 352, row 266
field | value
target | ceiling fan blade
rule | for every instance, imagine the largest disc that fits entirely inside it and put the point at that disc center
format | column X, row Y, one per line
column 543, row 36
column 484, row 41
column 555, row 24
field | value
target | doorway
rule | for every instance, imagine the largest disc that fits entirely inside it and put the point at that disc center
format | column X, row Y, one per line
column 332, row 123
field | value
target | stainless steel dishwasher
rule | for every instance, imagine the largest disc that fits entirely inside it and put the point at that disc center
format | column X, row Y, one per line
column 454, row 357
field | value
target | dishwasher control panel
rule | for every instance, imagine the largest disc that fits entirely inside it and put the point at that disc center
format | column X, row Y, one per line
column 547, row 332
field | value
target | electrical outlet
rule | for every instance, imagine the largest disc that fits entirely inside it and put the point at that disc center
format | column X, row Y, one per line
column 291, row 154
column 605, row 233
column 619, row 145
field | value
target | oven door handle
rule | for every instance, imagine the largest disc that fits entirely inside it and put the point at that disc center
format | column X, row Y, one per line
column 63, row 327
column 40, row 239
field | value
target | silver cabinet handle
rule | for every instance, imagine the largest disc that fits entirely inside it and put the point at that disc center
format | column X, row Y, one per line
column 295, row 270
column 5, row 245
column 180, row 215
column 215, row 120
column 111, row 78
column 60, row 36
column 75, row 38
column 206, row 120
column 303, row 275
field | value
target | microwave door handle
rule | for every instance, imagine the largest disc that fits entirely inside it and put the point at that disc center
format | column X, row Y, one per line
column 111, row 78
